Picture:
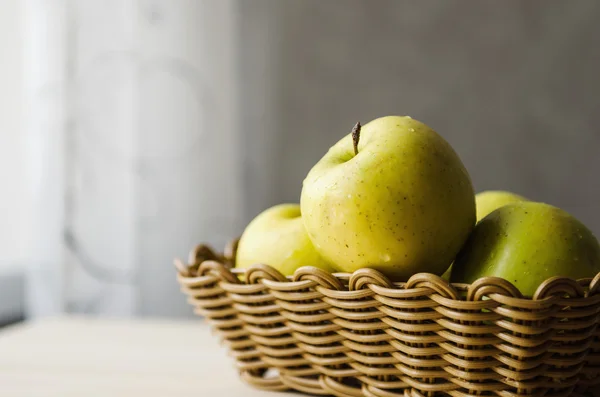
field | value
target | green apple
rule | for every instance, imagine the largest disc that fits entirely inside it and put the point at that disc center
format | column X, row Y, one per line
column 486, row 202
column 277, row 237
column 491, row 200
column 527, row 243
column 393, row 196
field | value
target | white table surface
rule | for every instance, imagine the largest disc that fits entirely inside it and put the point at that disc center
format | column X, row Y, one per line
column 112, row 358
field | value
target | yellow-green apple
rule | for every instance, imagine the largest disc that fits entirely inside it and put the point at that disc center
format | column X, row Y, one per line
column 277, row 237
column 486, row 202
column 393, row 196
column 491, row 200
column 527, row 243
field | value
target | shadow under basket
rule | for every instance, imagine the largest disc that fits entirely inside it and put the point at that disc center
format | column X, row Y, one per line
column 361, row 335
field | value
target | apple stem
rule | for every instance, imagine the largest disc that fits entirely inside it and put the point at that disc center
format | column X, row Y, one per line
column 356, row 136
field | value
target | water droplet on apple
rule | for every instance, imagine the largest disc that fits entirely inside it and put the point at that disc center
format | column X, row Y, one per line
column 411, row 129
column 386, row 257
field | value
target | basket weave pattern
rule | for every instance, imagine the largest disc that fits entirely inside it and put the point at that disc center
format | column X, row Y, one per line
column 362, row 335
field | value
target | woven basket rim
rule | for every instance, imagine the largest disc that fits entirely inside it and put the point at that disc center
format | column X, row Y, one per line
column 206, row 266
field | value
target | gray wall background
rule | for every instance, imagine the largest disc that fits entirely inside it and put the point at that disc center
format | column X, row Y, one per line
column 514, row 86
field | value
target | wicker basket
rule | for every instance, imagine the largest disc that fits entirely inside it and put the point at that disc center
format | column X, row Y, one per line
column 361, row 335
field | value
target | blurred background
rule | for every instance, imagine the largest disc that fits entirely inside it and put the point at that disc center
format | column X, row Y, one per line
column 131, row 130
